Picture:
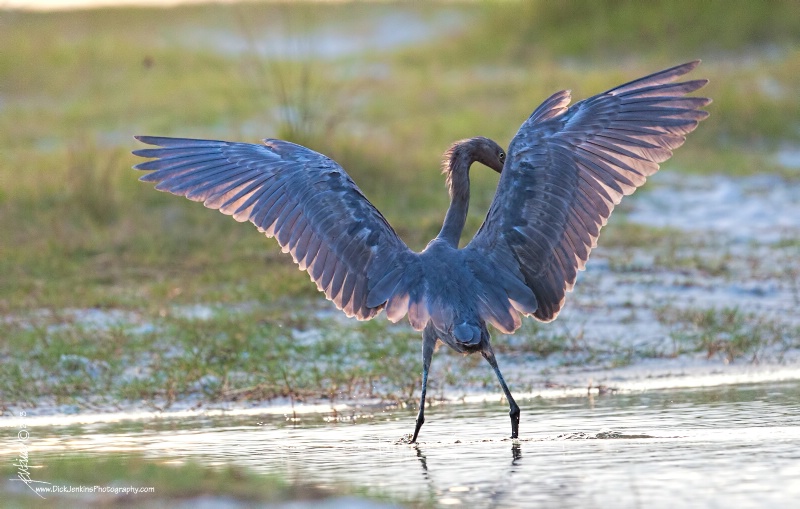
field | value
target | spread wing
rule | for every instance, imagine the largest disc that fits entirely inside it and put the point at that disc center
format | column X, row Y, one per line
column 565, row 171
column 302, row 198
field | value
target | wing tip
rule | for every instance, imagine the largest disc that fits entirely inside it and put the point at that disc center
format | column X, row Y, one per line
column 662, row 78
column 692, row 64
column 546, row 318
column 548, row 315
column 172, row 142
column 141, row 152
column 149, row 140
column 682, row 69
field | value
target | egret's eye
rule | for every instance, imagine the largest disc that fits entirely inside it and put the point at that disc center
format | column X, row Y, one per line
column 502, row 156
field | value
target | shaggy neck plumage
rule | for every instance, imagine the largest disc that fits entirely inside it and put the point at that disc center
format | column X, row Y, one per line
column 456, row 165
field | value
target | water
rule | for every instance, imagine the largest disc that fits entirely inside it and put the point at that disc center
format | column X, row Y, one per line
column 733, row 446
column 761, row 208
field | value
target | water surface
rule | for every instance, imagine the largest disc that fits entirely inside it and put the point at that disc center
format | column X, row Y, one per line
column 731, row 446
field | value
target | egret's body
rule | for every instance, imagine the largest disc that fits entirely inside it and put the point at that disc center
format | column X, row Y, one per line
column 565, row 171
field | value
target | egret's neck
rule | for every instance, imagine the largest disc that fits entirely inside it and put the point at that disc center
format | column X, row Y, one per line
column 458, row 186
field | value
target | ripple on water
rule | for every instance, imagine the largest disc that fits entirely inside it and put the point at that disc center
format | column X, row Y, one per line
column 735, row 445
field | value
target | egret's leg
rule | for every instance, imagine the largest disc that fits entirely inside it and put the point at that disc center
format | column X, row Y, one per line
column 488, row 354
column 428, row 342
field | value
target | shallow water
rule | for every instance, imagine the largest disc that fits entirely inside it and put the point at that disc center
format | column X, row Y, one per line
column 761, row 208
column 733, row 446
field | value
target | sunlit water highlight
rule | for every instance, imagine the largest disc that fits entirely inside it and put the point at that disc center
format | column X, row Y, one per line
column 734, row 446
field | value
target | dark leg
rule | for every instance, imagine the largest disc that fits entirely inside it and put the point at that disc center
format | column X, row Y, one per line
column 428, row 342
column 488, row 354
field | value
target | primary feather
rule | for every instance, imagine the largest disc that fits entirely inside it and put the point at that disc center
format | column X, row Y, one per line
column 568, row 167
column 302, row 198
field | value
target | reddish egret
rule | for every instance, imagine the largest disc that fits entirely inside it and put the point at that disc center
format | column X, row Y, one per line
column 565, row 170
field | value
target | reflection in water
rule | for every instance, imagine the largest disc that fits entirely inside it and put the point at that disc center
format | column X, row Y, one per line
column 429, row 484
column 730, row 446
column 460, row 493
column 505, row 486
column 422, row 461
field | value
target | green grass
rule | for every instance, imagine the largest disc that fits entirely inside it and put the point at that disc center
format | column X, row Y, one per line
column 729, row 333
column 254, row 354
column 82, row 231
column 78, row 230
column 172, row 482
column 610, row 28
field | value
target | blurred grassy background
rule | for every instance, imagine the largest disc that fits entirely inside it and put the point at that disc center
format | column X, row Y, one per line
column 78, row 230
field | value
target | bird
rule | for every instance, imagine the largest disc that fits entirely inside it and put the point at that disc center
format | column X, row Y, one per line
column 564, row 171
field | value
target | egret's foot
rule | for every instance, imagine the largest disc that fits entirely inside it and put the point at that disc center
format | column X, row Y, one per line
column 420, row 422
column 514, row 413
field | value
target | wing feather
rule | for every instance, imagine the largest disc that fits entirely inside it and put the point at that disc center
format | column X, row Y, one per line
column 302, row 198
column 565, row 171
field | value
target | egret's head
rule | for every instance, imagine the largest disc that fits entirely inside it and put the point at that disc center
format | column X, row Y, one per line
column 483, row 150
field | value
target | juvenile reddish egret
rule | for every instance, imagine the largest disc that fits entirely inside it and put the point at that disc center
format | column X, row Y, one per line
column 566, row 169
